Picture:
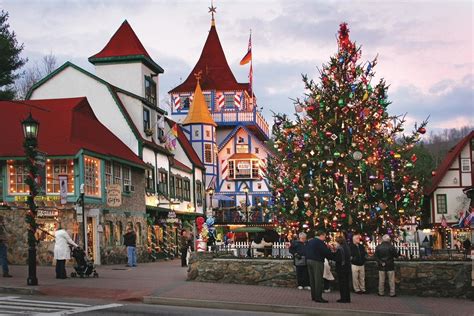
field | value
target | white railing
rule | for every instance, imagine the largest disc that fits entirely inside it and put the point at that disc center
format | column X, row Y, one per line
column 240, row 249
column 408, row 250
column 235, row 116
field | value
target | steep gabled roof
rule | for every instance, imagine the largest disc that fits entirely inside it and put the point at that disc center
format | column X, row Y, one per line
column 113, row 90
column 125, row 45
column 198, row 111
column 448, row 161
column 216, row 73
column 66, row 127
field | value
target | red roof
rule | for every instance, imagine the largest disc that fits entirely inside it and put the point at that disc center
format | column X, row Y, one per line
column 66, row 127
column 216, row 73
column 179, row 165
column 448, row 161
column 187, row 147
column 123, row 43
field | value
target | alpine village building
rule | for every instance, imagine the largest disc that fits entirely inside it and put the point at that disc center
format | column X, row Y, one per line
column 451, row 195
column 79, row 150
column 220, row 118
column 212, row 141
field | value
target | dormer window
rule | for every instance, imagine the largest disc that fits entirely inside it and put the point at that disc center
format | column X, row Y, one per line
column 150, row 90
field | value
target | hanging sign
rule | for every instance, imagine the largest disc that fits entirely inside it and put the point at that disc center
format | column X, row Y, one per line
column 63, row 188
column 114, row 195
column 47, row 213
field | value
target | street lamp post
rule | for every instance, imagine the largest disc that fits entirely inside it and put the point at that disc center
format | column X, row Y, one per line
column 210, row 191
column 30, row 144
column 246, row 191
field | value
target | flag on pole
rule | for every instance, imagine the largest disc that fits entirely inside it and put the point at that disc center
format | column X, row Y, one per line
column 251, row 81
column 248, row 56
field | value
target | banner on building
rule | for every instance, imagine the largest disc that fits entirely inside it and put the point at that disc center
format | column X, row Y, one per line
column 114, row 195
column 63, row 188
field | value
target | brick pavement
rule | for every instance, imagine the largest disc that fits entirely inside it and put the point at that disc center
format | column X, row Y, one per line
column 167, row 280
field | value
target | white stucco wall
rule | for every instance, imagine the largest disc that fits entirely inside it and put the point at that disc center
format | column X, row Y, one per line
column 448, row 179
column 71, row 83
column 456, row 201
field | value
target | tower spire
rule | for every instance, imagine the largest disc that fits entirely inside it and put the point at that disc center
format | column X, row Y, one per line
column 212, row 10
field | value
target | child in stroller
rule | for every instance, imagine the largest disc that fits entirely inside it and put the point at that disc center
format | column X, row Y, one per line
column 84, row 266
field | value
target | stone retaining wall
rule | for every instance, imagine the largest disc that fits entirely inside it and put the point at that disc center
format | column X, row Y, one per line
column 420, row 278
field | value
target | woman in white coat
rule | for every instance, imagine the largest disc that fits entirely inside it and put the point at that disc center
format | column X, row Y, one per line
column 62, row 251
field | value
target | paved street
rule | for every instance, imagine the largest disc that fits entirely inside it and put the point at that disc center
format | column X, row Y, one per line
column 164, row 283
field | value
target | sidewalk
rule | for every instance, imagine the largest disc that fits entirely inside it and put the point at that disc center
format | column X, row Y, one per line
column 164, row 283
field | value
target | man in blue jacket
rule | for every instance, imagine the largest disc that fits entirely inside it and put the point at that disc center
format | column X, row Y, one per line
column 316, row 252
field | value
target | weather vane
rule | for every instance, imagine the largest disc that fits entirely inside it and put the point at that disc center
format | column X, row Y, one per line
column 212, row 10
column 197, row 75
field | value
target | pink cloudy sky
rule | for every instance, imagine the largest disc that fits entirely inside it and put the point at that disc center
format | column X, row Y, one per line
column 425, row 47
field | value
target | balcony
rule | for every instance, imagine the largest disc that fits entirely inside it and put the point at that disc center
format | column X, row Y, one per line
column 252, row 119
column 237, row 215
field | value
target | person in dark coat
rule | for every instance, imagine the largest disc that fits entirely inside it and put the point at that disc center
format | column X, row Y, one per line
column 184, row 246
column 467, row 247
column 298, row 250
column 358, row 258
column 316, row 252
column 385, row 254
column 343, row 269
column 130, row 241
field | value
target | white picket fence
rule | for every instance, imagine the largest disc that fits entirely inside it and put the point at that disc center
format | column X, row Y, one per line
column 240, row 249
column 409, row 250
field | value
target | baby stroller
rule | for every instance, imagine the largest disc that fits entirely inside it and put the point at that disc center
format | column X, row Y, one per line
column 84, row 267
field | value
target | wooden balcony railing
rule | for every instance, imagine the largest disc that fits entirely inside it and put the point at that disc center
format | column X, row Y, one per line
column 236, row 116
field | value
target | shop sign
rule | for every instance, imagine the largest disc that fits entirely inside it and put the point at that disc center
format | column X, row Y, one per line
column 24, row 198
column 114, row 195
column 47, row 213
column 171, row 214
column 243, row 165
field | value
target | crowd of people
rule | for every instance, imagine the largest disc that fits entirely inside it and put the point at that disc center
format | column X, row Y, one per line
column 313, row 272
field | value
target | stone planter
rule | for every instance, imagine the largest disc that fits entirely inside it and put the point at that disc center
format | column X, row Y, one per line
column 420, row 278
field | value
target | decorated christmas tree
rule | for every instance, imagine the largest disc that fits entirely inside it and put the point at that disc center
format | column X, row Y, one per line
column 343, row 163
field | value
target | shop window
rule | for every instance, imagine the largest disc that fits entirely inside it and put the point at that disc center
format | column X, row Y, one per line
column 17, row 174
column 441, row 204
column 55, row 168
column 172, row 187
column 150, row 90
column 207, row 153
column 119, row 234
column 198, row 193
column 163, row 182
column 187, row 190
column 92, row 176
column 106, row 233
column 138, row 231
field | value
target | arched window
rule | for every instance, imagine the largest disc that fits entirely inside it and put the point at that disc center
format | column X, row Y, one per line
column 119, row 234
column 138, row 231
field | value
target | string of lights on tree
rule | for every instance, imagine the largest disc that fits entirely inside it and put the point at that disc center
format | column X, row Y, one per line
column 343, row 163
